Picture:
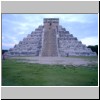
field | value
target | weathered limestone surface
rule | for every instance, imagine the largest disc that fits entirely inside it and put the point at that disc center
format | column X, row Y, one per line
column 51, row 39
column 49, row 47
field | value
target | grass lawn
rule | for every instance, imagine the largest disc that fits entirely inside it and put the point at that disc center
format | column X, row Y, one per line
column 25, row 74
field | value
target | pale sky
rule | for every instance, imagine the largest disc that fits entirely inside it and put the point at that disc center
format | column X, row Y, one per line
column 15, row 27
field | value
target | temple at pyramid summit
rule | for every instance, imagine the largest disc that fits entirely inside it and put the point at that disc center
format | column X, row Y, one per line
column 50, row 39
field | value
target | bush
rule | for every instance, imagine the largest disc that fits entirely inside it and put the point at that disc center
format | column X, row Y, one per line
column 94, row 48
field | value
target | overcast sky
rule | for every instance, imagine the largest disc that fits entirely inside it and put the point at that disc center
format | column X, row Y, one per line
column 17, row 26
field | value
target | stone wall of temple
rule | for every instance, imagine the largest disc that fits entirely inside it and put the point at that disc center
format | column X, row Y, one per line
column 49, row 47
column 51, row 39
column 70, row 46
column 29, row 46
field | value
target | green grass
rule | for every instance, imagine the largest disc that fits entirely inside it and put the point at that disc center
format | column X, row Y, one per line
column 25, row 74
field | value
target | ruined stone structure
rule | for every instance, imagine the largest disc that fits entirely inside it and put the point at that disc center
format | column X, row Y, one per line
column 51, row 39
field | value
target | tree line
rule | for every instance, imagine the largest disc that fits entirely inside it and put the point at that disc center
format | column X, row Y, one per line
column 94, row 48
column 3, row 51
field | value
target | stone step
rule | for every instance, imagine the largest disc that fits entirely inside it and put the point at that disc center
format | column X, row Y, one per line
column 49, row 43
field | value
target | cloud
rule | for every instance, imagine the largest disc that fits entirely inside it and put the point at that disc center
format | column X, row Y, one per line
column 8, row 45
column 17, row 26
column 21, row 32
column 81, row 18
column 90, row 41
column 10, row 40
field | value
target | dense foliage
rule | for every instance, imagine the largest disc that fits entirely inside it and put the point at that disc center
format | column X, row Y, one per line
column 3, row 51
column 94, row 48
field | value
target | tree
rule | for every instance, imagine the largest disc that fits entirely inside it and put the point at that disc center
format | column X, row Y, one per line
column 94, row 48
column 3, row 51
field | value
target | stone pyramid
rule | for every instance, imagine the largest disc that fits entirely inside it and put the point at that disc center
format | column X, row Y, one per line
column 51, row 39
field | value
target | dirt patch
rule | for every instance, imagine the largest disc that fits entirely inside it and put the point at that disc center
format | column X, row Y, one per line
column 56, row 60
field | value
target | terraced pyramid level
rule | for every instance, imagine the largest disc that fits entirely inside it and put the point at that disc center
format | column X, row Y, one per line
column 52, row 40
